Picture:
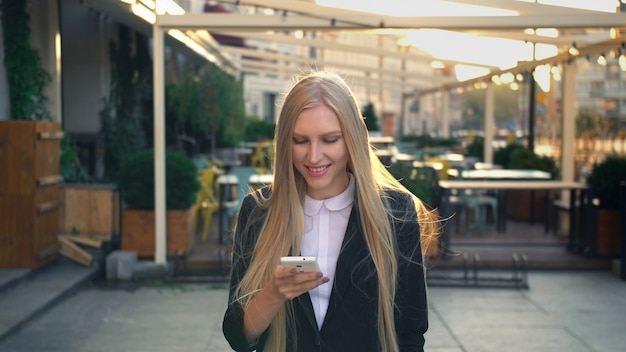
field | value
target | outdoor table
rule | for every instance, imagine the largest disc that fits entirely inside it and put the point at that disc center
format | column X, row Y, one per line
column 486, row 166
column 257, row 181
column 404, row 157
column 505, row 174
column 509, row 174
column 577, row 196
column 381, row 142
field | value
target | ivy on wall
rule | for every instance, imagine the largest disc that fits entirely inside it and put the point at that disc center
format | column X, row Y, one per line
column 25, row 73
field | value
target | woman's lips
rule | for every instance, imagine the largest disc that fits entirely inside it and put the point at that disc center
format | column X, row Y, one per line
column 317, row 170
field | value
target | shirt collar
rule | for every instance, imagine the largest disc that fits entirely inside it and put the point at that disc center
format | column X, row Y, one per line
column 336, row 203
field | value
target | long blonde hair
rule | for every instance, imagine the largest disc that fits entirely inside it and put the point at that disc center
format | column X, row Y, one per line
column 283, row 227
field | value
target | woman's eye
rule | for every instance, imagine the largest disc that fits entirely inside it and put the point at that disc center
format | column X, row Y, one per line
column 331, row 140
column 299, row 141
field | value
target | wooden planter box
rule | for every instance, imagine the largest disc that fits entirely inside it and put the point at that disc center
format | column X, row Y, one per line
column 607, row 232
column 138, row 233
column 29, row 193
column 90, row 209
column 518, row 205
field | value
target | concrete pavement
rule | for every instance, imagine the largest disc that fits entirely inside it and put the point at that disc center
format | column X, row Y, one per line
column 560, row 311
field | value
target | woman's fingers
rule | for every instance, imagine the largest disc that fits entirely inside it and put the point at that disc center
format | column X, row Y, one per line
column 290, row 283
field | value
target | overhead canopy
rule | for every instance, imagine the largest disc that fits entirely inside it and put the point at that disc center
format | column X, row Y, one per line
column 293, row 22
column 288, row 21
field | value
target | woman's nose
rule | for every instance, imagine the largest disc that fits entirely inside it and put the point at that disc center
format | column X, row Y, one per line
column 315, row 153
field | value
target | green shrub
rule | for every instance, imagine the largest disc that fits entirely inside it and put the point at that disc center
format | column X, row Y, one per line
column 419, row 181
column 258, row 129
column 427, row 141
column 605, row 178
column 502, row 156
column 476, row 148
column 524, row 159
column 69, row 163
column 136, row 181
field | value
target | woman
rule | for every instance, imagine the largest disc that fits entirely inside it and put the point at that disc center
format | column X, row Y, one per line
column 331, row 198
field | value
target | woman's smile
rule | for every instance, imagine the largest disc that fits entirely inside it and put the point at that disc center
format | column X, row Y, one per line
column 318, row 170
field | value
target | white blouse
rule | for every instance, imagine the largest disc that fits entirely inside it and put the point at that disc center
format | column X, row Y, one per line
column 325, row 223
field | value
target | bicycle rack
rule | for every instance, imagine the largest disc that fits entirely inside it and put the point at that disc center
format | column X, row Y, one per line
column 474, row 275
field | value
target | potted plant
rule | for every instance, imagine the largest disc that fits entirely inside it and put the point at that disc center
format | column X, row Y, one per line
column 136, row 182
column 89, row 207
column 604, row 182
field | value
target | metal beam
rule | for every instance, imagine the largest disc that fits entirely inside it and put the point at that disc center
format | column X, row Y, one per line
column 590, row 50
column 524, row 8
column 310, row 7
column 277, row 68
column 160, row 211
column 304, row 61
column 561, row 40
column 409, row 55
column 291, row 22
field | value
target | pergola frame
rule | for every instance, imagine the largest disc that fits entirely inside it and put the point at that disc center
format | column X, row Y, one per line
column 302, row 15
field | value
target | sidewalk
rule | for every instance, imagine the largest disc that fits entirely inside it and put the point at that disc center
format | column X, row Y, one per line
column 561, row 311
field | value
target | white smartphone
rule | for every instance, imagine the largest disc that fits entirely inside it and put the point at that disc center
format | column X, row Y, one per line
column 302, row 264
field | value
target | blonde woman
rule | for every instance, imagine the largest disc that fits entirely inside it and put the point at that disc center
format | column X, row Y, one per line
column 332, row 199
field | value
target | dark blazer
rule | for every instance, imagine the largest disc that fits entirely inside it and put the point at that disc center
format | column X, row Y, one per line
column 351, row 320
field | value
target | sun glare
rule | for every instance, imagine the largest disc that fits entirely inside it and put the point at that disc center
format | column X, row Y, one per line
column 476, row 55
column 421, row 8
column 450, row 8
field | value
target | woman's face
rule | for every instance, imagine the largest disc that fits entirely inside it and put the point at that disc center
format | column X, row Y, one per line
column 320, row 153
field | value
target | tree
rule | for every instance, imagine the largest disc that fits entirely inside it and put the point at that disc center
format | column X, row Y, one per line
column 128, row 111
column 222, row 106
column 591, row 124
column 371, row 121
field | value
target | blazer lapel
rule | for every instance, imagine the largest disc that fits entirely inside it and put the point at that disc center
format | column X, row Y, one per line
column 304, row 301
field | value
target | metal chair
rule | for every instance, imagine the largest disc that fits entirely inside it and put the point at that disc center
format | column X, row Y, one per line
column 473, row 206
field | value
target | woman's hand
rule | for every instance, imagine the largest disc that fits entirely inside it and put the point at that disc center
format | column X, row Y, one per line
column 285, row 284
column 288, row 283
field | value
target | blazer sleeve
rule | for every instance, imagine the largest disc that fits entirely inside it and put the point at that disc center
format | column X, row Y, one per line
column 243, row 244
column 411, row 315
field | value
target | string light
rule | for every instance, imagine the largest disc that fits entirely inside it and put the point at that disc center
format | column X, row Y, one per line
column 602, row 60
column 573, row 50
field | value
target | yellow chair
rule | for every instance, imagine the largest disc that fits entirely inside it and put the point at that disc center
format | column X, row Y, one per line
column 440, row 164
column 207, row 200
column 261, row 158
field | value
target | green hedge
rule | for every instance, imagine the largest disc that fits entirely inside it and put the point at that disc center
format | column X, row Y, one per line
column 136, row 181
